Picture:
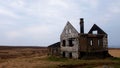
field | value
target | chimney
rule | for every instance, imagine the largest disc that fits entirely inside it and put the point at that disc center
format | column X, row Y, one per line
column 81, row 25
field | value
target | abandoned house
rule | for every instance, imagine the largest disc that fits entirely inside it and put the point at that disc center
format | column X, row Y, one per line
column 73, row 44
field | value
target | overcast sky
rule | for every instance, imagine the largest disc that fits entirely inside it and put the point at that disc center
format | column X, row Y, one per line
column 40, row 22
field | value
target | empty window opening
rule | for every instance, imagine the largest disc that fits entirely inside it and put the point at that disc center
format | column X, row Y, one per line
column 98, row 42
column 91, row 42
column 70, row 42
column 95, row 32
column 64, row 43
column 70, row 55
column 63, row 54
column 69, row 30
column 66, row 31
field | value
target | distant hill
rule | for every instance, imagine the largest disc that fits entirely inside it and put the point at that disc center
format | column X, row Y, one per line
column 21, row 47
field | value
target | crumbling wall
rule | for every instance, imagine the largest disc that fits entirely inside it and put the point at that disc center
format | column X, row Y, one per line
column 69, row 42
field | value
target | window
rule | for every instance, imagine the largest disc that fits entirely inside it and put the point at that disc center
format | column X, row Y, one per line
column 69, row 30
column 64, row 43
column 66, row 31
column 70, row 55
column 95, row 32
column 70, row 42
column 91, row 42
column 63, row 54
column 98, row 42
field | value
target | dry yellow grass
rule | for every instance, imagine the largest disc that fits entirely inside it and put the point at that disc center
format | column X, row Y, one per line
column 36, row 58
column 114, row 52
column 22, row 62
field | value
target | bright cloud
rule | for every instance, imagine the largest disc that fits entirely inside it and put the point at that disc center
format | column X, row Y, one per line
column 28, row 22
column 6, row 12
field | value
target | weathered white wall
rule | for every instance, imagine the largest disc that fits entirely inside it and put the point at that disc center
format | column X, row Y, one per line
column 70, row 32
column 105, row 42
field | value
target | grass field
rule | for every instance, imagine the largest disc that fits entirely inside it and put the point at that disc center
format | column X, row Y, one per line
column 37, row 58
column 115, row 52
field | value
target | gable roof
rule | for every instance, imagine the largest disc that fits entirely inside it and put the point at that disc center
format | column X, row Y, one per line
column 94, row 28
column 57, row 44
column 69, row 27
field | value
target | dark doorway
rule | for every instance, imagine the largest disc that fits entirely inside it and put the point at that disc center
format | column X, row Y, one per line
column 70, row 55
column 63, row 54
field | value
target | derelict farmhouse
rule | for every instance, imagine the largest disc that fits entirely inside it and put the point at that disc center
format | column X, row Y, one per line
column 76, row 45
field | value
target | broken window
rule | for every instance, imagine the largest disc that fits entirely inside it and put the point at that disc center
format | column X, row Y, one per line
column 91, row 42
column 64, row 43
column 66, row 31
column 95, row 32
column 63, row 54
column 69, row 30
column 70, row 42
column 70, row 55
column 105, row 43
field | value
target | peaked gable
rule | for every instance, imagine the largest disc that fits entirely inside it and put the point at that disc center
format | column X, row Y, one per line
column 69, row 29
column 96, row 28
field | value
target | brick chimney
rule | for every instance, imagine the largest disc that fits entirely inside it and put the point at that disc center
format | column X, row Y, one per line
column 81, row 25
